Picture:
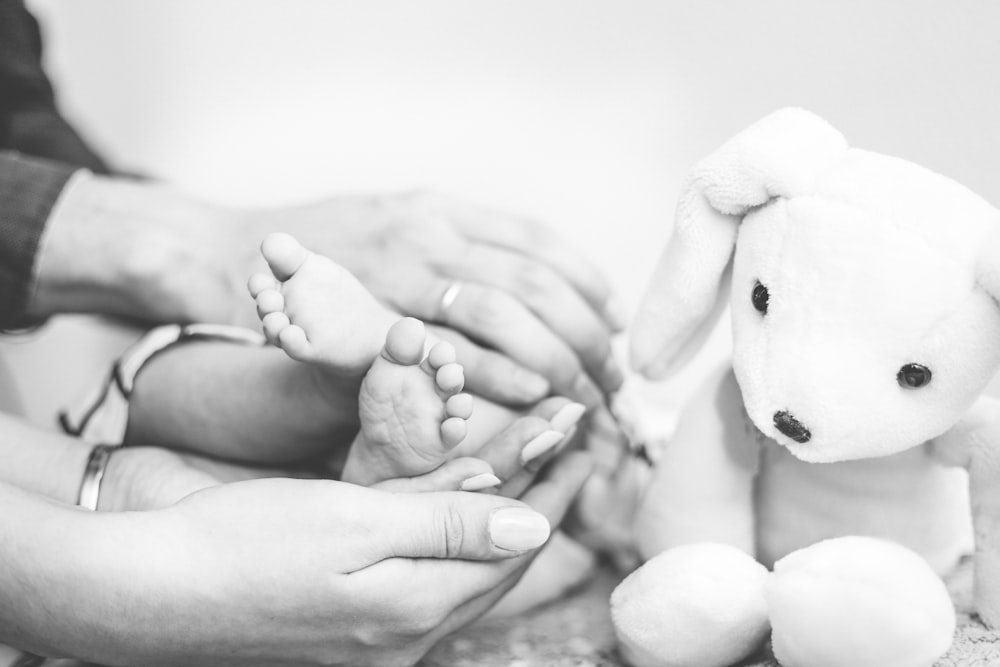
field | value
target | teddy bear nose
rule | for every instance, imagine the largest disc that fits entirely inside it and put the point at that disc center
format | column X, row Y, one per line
column 790, row 426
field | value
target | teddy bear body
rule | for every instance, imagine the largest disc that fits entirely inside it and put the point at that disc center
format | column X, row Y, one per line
column 864, row 295
column 909, row 498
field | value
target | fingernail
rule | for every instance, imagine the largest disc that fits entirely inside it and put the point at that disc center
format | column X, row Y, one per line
column 614, row 311
column 480, row 482
column 567, row 417
column 531, row 385
column 518, row 529
column 539, row 445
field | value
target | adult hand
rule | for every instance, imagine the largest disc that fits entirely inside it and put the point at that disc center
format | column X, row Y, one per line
column 532, row 316
column 289, row 572
column 525, row 293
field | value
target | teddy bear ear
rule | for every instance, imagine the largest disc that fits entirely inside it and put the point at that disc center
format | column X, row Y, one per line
column 781, row 155
column 683, row 299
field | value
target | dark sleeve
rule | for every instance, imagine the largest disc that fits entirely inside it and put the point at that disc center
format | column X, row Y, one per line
column 29, row 188
column 29, row 120
column 39, row 151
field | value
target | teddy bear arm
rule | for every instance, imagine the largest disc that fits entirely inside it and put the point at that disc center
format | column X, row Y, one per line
column 974, row 443
column 702, row 486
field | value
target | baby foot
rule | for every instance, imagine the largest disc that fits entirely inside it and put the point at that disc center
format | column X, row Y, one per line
column 412, row 415
column 316, row 310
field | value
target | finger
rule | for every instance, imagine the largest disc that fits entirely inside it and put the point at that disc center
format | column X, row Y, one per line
column 536, row 240
column 503, row 452
column 492, row 375
column 552, row 498
column 498, row 320
column 473, row 587
column 454, row 525
column 568, row 565
column 461, row 474
column 474, row 606
column 549, row 296
column 562, row 413
column 517, row 485
column 530, row 441
column 606, row 441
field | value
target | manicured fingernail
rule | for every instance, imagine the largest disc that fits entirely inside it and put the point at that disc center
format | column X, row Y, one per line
column 540, row 444
column 518, row 529
column 530, row 385
column 567, row 417
column 614, row 311
column 480, row 482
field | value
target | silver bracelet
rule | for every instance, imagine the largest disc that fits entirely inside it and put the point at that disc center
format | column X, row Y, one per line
column 93, row 474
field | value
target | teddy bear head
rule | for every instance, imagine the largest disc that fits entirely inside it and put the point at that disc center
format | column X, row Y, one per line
column 862, row 289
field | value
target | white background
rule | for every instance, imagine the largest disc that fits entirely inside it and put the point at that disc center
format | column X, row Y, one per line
column 584, row 114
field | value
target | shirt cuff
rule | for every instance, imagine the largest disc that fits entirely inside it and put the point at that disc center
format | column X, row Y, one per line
column 29, row 188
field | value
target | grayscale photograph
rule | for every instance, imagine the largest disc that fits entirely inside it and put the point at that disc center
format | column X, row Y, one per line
column 499, row 333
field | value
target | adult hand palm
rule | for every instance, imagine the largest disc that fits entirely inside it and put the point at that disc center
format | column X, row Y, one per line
column 319, row 572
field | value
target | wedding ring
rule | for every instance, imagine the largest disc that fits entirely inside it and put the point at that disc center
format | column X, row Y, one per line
column 448, row 299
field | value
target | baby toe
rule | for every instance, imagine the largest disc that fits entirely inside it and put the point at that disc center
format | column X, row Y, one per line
column 273, row 324
column 442, row 353
column 258, row 282
column 284, row 254
column 293, row 340
column 404, row 344
column 453, row 431
column 269, row 301
column 459, row 405
column 450, row 378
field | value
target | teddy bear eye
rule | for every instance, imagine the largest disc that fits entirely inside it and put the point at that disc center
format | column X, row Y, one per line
column 759, row 297
column 913, row 376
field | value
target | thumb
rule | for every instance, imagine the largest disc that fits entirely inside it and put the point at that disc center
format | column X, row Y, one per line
column 469, row 526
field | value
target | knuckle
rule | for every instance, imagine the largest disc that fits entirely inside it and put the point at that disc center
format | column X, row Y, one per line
column 493, row 309
column 453, row 531
column 536, row 280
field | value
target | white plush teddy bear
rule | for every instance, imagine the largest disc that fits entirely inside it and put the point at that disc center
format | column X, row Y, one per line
column 863, row 294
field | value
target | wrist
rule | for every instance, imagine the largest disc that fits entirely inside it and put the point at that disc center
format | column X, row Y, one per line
column 135, row 249
column 70, row 579
column 41, row 461
column 148, row 478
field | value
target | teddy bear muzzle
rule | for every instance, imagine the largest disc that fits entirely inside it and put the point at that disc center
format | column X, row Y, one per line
column 792, row 427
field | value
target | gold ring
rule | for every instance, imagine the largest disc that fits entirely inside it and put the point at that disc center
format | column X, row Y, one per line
column 448, row 299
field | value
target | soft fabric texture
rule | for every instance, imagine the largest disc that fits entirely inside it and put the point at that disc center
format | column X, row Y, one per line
column 825, row 599
column 39, row 150
column 863, row 294
column 662, row 610
column 29, row 189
